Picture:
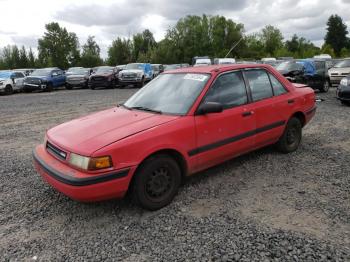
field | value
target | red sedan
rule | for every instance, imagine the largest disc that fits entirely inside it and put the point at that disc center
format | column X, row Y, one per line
column 182, row 122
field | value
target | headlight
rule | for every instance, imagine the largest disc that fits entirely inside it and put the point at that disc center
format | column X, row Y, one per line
column 345, row 82
column 90, row 163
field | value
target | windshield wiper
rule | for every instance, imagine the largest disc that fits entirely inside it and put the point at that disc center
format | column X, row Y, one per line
column 146, row 109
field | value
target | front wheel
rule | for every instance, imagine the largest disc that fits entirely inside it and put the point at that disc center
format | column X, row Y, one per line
column 325, row 86
column 8, row 90
column 49, row 87
column 69, row 87
column 291, row 138
column 156, row 182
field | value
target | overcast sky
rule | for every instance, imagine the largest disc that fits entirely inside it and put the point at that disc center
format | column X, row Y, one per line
column 22, row 22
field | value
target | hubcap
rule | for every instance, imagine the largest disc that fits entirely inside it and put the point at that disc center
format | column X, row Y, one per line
column 292, row 136
column 159, row 183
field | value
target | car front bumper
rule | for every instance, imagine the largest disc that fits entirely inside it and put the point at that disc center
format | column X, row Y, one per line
column 76, row 82
column 336, row 79
column 78, row 185
column 34, row 86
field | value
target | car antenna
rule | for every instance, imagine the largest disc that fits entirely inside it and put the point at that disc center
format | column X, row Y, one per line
column 233, row 47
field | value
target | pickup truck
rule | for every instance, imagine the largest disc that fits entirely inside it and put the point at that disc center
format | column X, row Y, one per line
column 45, row 79
column 136, row 74
column 10, row 82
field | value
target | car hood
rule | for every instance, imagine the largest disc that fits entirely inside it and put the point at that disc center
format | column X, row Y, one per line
column 3, row 79
column 88, row 134
column 75, row 76
column 37, row 77
column 102, row 74
column 132, row 71
column 339, row 70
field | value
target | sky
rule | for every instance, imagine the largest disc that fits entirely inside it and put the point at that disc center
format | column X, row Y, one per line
column 23, row 22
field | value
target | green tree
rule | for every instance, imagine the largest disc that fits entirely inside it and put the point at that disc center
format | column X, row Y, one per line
column 15, row 57
column 58, row 47
column 327, row 49
column 91, row 53
column 272, row 38
column 23, row 58
column 142, row 43
column 119, row 52
column 344, row 52
column 336, row 35
column 31, row 59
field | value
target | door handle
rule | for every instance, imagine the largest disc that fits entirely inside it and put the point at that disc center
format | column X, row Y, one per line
column 290, row 101
column 247, row 113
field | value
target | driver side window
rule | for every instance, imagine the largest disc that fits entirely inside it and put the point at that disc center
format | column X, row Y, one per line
column 229, row 90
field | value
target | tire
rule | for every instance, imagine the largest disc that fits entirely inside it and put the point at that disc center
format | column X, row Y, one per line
column 291, row 138
column 49, row 87
column 156, row 182
column 142, row 82
column 8, row 90
column 345, row 103
column 92, row 87
column 69, row 87
column 325, row 87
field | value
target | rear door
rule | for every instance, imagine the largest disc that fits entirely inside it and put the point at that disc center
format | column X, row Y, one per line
column 221, row 136
column 269, row 116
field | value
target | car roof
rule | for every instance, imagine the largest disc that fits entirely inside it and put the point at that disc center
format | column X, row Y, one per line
column 217, row 68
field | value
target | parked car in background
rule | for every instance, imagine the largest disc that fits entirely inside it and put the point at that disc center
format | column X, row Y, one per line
column 136, row 74
column 339, row 71
column 194, row 59
column 305, row 72
column 79, row 77
column 185, row 65
column 224, row 61
column 104, row 76
column 44, row 79
column 25, row 71
column 157, row 69
column 343, row 90
column 199, row 117
column 202, row 62
column 11, row 81
column 172, row 67
column 323, row 56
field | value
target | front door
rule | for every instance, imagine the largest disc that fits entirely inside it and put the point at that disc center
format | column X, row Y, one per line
column 221, row 136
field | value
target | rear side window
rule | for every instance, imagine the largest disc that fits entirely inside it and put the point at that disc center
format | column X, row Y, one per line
column 229, row 90
column 259, row 84
column 278, row 88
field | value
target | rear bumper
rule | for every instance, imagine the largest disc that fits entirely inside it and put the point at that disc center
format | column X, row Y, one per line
column 81, row 186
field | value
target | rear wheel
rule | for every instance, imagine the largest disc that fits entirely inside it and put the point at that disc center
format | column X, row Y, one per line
column 156, row 182
column 325, row 86
column 8, row 90
column 291, row 138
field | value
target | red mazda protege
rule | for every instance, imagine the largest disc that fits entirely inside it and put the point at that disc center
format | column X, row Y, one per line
column 182, row 122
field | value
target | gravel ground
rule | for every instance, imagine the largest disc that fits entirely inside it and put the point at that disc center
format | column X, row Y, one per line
column 264, row 206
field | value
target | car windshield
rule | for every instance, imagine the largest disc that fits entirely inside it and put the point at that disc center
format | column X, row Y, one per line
column 74, row 70
column 155, row 68
column 169, row 93
column 5, row 75
column 103, row 70
column 289, row 66
column 41, row 72
column 319, row 64
column 171, row 67
column 344, row 63
column 134, row 66
column 78, row 71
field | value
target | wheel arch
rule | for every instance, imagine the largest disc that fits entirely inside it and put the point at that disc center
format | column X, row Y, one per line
column 301, row 116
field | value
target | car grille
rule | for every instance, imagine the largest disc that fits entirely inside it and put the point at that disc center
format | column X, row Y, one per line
column 56, row 151
column 131, row 75
column 33, row 81
column 98, row 78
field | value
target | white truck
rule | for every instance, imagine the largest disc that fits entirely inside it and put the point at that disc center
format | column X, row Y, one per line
column 11, row 81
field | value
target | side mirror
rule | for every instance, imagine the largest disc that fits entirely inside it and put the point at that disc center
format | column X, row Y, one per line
column 209, row 107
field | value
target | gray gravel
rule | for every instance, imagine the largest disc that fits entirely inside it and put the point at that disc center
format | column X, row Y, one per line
column 264, row 206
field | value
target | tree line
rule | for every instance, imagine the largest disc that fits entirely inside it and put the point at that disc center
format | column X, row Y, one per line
column 191, row 36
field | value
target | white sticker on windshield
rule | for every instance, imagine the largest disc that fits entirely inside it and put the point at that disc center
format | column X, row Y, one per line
column 196, row 77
